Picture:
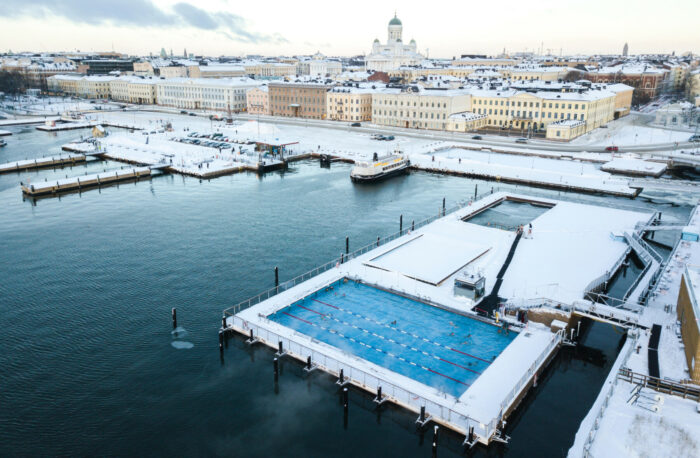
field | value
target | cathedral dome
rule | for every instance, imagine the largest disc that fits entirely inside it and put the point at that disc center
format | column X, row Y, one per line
column 395, row 21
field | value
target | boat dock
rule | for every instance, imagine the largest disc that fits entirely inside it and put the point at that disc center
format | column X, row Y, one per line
column 72, row 125
column 60, row 160
column 71, row 184
column 5, row 133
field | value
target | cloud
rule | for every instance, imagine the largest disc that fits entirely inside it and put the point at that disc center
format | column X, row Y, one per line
column 142, row 13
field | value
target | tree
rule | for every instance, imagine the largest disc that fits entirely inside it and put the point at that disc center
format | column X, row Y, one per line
column 13, row 82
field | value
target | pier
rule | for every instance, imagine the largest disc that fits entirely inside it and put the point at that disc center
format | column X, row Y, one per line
column 60, row 160
column 312, row 317
column 55, row 187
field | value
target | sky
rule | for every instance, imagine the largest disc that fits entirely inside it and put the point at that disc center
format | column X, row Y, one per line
column 345, row 28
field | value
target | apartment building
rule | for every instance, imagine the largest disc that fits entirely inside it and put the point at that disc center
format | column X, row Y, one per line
column 269, row 69
column 417, row 107
column 351, row 103
column 304, row 100
column 94, row 87
column 219, row 94
column 134, row 90
column 644, row 78
column 258, row 101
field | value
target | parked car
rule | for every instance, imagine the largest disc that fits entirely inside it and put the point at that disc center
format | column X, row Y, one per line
column 389, row 137
column 183, row 112
column 521, row 140
column 477, row 137
column 192, row 114
column 355, row 124
column 614, row 149
column 694, row 138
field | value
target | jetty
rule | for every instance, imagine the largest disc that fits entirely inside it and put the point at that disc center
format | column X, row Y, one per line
column 60, row 160
column 71, row 184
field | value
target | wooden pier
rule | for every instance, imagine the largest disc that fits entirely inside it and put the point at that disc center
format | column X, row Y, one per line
column 43, row 162
column 55, row 187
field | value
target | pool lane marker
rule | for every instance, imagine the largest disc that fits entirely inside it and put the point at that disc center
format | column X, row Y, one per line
column 358, row 315
column 379, row 349
column 386, row 339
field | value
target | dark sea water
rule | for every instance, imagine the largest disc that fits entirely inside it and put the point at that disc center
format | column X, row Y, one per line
column 87, row 282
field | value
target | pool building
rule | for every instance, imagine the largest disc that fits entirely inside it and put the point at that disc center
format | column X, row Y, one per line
column 392, row 320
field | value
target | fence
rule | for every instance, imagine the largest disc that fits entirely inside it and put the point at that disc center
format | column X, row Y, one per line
column 370, row 381
column 662, row 386
column 602, row 403
column 344, row 258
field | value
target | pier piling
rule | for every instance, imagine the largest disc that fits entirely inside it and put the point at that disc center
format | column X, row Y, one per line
column 347, row 245
column 443, row 206
column 400, row 224
column 223, row 323
column 422, row 414
column 174, row 315
column 341, row 257
column 277, row 277
column 275, row 365
column 413, row 225
column 221, row 341
column 345, row 399
column 435, row 440
column 476, row 190
column 377, row 241
column 308, row 363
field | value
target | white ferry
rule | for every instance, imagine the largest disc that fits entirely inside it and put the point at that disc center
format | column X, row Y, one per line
column 380, row 167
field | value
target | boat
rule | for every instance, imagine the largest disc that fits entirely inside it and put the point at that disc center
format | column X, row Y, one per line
column 380, row 167
column 3, row 142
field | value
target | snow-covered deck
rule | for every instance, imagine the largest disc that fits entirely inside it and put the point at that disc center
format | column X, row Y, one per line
column 564, row 237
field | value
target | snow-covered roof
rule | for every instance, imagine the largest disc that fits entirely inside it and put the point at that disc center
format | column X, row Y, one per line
column 467, row 116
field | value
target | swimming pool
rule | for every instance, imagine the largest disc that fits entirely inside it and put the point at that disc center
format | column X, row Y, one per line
column 508, row 214
column 430, row 345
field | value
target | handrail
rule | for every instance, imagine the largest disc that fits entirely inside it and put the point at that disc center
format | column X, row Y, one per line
column 336, row 261
column 671, row 387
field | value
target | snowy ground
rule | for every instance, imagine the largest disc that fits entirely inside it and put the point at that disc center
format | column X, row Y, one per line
column 631, row 165
column 29, row 105
column 624, row 132
column 637, row 430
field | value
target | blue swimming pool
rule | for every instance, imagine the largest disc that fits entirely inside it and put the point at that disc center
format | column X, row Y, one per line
column 433, row 346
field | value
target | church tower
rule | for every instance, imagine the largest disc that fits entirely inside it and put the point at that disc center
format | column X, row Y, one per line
column 395, row 30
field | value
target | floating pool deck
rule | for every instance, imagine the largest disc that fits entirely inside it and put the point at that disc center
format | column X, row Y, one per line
column 388, row 316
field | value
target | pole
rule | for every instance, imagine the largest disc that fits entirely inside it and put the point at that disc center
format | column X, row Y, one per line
column 347, row 245
column 400, row 224
column 277, row 277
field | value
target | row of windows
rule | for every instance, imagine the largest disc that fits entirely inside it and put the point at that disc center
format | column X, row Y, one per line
column 525, row 104
column 408, row 104
column 495, row 111
column 408, row 114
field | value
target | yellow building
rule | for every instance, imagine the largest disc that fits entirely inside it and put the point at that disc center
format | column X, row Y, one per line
column 510, row 108
column 466, row 122
column 95, row 87
column 350, row 103
column 422, row 109
column 688, row 313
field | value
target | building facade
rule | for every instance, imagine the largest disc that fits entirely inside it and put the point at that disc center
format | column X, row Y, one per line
column 422, row 109
column 303, row 100
column 350, row 104
column 205, row 94
column 258, row 101
column 688, row 313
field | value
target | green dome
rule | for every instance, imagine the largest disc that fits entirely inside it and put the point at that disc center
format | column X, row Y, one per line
column 395, row 21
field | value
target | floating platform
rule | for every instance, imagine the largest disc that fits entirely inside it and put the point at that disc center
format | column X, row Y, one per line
column 66, row 126
column 634, row 167
column 5, row 133
column 43, row 162
column 55, row 187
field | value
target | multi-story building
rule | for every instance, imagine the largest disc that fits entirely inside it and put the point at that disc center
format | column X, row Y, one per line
column 221, row 94
column 318, row 65
column 688, row 312
column 417, row 107
column 466, row 122
column 258, row 101
column 350, row 103
column 394, row 53
column 64, row 84
column 677, row 74
column 304, row 100
column 269, row 70
column 221, row 70
column 105, row 66
column 94, row 87
column 134, row 89
column 534, row 111
column 644, row 78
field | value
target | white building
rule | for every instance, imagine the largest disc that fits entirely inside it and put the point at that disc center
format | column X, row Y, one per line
column 394, row 53
column 219, row 94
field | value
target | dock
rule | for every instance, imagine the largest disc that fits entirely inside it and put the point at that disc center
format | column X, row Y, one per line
column 5, row 133
column 55, row 187
column 319, row 318
column 60, row 160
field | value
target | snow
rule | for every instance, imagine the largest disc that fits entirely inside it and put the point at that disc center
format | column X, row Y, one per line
column 440, row 256
column 622, row 133
column 636, row 166
column 570, row 246
column 4, row 133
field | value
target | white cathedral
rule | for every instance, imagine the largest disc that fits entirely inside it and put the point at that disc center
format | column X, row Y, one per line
column 394, row 53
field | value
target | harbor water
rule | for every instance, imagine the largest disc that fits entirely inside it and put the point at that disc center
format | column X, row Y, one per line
column 90, row 362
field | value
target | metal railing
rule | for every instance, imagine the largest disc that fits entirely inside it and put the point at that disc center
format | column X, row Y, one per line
column 347, row 257
column 605, row 401
column 369, row 380
column 605, row 278
column 674, row 388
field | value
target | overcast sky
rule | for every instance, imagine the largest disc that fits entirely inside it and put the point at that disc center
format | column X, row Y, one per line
column 284, row 27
